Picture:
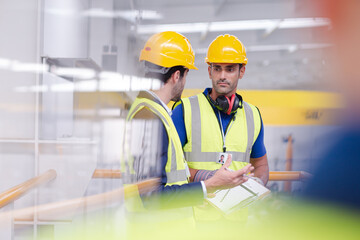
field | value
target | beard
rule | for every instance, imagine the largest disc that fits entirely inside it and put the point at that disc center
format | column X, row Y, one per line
column 223, row 90
column 176, row 98
column 177, row 91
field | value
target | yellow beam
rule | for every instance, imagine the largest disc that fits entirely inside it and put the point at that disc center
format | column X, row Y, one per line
column 91, row 100
column 285, row 107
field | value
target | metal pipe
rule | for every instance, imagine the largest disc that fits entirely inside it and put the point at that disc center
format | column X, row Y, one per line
column 288, row 165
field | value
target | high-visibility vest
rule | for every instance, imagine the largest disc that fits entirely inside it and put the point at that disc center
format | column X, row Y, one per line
column 175, row 168
column 205, row 141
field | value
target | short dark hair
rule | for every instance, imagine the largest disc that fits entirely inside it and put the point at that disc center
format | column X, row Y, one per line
column 163, row 77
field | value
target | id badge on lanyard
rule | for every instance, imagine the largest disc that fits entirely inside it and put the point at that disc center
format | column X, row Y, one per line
column 222, row 157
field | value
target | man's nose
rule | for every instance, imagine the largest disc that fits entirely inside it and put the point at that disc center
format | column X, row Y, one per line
column 222, row 75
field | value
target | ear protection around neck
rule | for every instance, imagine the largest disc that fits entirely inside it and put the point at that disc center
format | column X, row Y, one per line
column 225, row 104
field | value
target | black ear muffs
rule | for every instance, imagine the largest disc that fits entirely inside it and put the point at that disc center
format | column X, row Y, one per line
column 225, row 104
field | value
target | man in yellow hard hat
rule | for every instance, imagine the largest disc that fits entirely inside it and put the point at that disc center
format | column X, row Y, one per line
column 168, row 56
column 218, row 121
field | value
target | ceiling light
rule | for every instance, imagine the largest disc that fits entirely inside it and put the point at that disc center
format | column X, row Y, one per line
column 264, row 24
column 129, row 15
column 286, row 47
column 28, row 67
column 81, row 73
column 4, row 63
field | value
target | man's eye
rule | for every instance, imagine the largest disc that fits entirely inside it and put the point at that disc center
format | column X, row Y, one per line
column 230, row 69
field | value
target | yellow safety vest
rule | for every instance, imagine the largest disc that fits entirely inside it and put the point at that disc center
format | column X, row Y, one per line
column 205, row 141
column 175, row 167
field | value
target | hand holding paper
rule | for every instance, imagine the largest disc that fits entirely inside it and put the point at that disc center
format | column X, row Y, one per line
column 224, row 179
column 232, row 199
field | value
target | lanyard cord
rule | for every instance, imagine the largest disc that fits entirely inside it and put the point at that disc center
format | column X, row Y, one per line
column 222, row 130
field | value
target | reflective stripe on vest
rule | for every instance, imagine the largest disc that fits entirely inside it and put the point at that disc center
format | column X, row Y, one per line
column 204, row 134
column 175, row 168
column 175, row 173
column 205, row 142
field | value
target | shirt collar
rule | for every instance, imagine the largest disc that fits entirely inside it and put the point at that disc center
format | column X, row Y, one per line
column 206, row 91
column 223, row 115
column 158, row 100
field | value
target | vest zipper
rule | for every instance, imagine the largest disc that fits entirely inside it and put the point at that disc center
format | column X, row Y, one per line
column 233, row 118
column 223, row 133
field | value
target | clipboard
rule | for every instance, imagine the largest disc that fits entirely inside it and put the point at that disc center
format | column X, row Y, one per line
column 232, row 199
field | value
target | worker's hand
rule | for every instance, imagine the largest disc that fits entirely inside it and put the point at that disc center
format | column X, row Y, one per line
column 225, row 178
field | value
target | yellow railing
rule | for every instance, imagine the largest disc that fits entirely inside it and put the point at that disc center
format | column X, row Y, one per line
column 273, row 175
column 289, row 176
column 100, row 200
column 107, row 173
column 70, row 207
column 15, row 192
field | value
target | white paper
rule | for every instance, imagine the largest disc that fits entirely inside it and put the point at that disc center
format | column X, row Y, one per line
column 229, row 200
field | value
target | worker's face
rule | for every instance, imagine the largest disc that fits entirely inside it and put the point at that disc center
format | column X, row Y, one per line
column 225, row 77
column 179, row 87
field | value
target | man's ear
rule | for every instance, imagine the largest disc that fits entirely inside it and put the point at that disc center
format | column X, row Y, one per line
column 209, row 70
column 175, row 77
column 242, row 72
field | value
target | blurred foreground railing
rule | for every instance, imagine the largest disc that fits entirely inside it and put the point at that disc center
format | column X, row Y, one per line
column 72, row 206
column 16, row 192
column 273, row 175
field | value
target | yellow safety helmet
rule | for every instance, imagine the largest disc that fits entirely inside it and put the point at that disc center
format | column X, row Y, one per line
column 226, row 49
column 168, row 49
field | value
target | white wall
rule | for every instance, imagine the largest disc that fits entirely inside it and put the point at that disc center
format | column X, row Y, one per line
column 18, row 27
column 65, row 29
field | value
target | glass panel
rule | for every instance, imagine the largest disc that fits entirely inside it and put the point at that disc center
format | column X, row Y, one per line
column 18, row 165
column 74, row 164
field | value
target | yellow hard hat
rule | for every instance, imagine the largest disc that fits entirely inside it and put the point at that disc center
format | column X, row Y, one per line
column 226, row 49
column 168, row 49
